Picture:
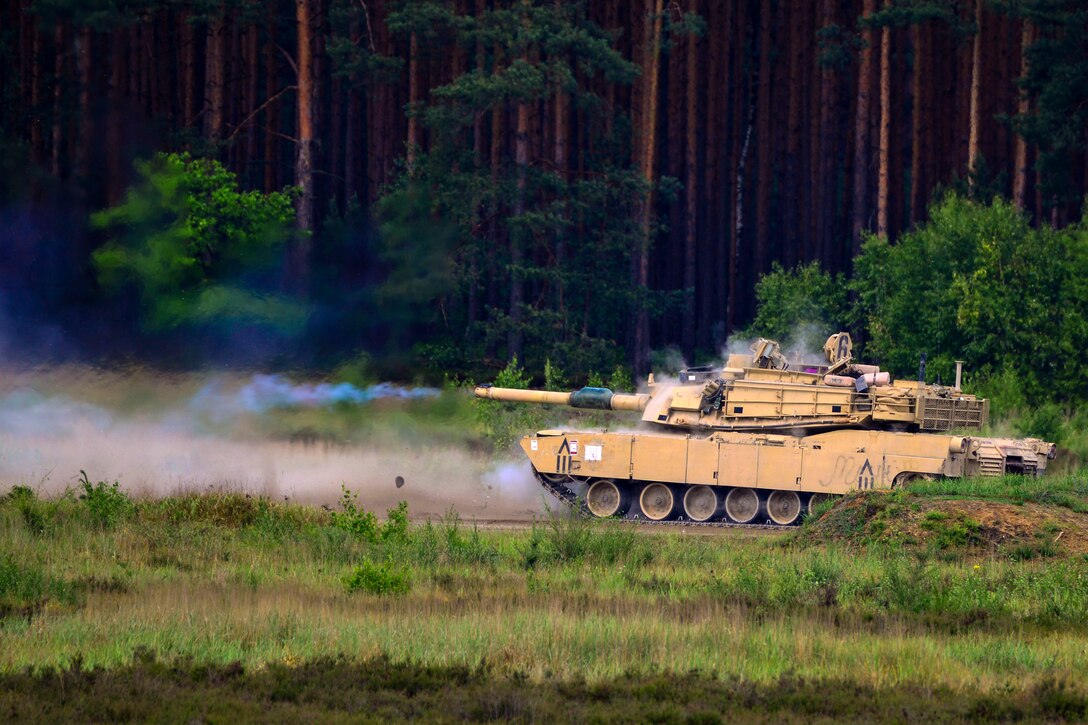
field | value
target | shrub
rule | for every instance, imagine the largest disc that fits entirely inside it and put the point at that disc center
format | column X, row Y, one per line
column 25, row 589
column 503, row 423
column 380, row 579
column 106, row 502
column 354, row 519
column 32, row 509
column 18, row 495
column 395, row 527
column 804, row 301
column 620, row 381
column 359, row 522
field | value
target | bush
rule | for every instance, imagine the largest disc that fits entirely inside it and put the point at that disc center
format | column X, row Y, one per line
column 395, row 527
column 25, row 589
column 354, row 519
column 380, row 579
column 502, row 424
column 106, row 502
column 192, row 244
column 363, row 524
column 803, row 302
column 977, row 282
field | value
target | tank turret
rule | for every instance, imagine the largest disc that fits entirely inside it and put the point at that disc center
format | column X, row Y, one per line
column 762, row 439
column 764, row 391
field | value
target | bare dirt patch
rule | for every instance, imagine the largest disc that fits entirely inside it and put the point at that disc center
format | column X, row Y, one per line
column 1023, row 531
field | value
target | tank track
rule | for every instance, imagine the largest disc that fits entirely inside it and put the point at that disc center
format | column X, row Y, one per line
column 578, row 506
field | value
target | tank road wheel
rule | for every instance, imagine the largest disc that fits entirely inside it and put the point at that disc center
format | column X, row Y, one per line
column 742, row 505
column 815, row 500
column 604, row 498
column 556, row 479
column 784, row 507
column 656, row 501
column 908, row 477
column 700, row 503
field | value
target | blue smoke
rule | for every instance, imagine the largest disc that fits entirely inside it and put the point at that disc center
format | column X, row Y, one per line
column 268, row 392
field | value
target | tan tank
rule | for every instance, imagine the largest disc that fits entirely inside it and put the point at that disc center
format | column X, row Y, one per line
column 760, row 441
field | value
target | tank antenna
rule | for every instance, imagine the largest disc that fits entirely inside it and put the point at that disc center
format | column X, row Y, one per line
column 922, row 369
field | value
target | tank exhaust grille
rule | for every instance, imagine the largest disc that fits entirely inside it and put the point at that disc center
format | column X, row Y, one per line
column 951, row 413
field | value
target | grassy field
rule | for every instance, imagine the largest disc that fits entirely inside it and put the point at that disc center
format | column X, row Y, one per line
column 240, row 599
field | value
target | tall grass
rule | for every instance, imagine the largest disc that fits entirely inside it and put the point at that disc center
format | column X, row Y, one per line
column 1069, row 491
column 224, row 578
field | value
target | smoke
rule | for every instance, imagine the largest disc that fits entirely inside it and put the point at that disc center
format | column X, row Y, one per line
column 802, row 345
column 266, row 392
column 163, row 436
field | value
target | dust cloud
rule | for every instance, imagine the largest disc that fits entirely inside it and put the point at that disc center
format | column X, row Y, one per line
column 50, row 431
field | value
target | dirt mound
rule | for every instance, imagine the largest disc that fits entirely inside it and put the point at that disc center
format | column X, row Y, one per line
column 1020, row 531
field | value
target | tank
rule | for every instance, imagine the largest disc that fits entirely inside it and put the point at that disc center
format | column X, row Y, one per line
column 762, row 440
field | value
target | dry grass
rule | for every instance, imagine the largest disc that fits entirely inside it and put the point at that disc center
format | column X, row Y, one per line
column 224, row 579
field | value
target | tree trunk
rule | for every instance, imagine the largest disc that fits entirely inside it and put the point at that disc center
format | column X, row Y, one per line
column 717, row 55
column 521, row 161
column 304, row 172
column 743, row 107
column 271, row 111
column 562, row 133
column 114, row 133
column 861, row 130
column 885, row 127
column 213, row 77
column 1020, row 160
column 481, row 67
column 822, row 186
column 976, row 88
column 691, row 191
column 413, row 100
column 647, row 151
column 83, row 51
column 918, row 180
column 738, row 214
column 187, row 78
column 764, row 179
column 59, row 67
column 37, row 130
column 793, row 180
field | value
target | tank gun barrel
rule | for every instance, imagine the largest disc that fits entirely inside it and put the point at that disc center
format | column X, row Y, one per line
column 589, row 398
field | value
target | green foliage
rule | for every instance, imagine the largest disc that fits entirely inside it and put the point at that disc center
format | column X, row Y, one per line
column 25, row 589
column 953, row 534
column 354, row 519
column 382, row 579
column 1057, row 84
column 107, row 504
column 363, row 524
column 196, row 248
column 502, row 424
column 977, row 282
column 575, row 233
column 416, row 251
column 564, row 538
column 553, row 377
column 620, row 380
column 395, row 528
column 801, row 302
column 512, row 376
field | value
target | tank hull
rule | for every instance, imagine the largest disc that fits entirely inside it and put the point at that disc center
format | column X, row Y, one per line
column 830, row 463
